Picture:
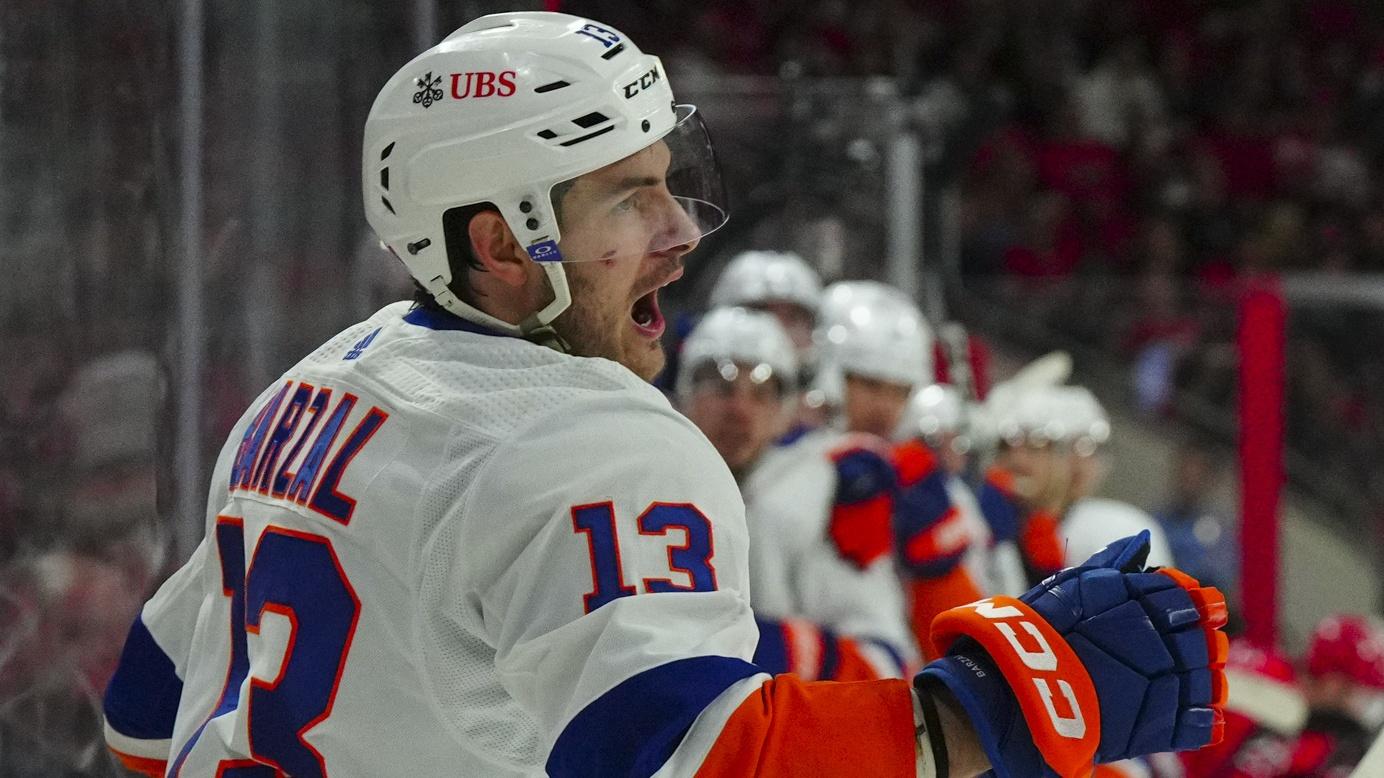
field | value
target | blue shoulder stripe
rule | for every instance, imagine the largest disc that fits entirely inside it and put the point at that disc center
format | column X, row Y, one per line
column 142, row 698
column 635, row 727
column 434, row 319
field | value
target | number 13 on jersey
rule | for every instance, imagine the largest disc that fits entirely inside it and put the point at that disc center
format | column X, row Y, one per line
column 689, row 563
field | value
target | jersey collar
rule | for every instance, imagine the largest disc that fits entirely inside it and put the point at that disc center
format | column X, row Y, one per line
column 442, row 320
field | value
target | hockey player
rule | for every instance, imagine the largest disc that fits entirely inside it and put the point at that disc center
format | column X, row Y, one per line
column 783, row 284
column 820, row 614
column 876, row 349
column 1344, row 685
column 937, row 417
column 1037, row 493
column 777, row 282
column 466, row 537
column 1089, row 523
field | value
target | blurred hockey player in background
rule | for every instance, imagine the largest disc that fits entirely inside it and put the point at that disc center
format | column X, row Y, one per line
column 939, row 418
column 466, row 537
column 1046, row 464
column 781, row 283
column 1344, row 686
column 820, row 613
column 875, row 349
column 1090, row 523
column 63, row 614
column 1203, row 537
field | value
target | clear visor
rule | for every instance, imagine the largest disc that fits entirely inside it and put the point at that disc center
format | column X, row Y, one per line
column 665, row 197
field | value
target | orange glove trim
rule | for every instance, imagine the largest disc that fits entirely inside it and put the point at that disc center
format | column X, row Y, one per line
column 1052, row 686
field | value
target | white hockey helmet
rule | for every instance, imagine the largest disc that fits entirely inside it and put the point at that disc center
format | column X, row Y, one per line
column 873, row 330
column 727, row 336
column 500, row 112
column 1083, row 413
column 1031, row 414
column 936, row 409
column 759, row 277
column 1055, row 414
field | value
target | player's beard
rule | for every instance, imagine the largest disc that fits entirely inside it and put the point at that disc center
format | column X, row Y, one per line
column 596, row 325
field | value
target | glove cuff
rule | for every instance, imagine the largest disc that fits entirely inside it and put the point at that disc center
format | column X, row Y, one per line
column 975, row 683
column 1044, row 676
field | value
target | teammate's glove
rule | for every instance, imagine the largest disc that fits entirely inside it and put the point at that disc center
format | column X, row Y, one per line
column 1097, row 663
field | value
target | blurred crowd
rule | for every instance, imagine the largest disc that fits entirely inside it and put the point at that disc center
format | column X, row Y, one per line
column 1123, row 168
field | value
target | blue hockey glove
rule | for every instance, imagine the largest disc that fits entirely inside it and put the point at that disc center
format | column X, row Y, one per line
column 1097, row 663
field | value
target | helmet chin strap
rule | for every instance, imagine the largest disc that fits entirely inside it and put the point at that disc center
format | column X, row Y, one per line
column 537, row 328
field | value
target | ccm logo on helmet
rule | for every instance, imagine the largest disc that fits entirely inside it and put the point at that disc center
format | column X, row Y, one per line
column 643, row 82
column 482, row 84
column 1042, row 660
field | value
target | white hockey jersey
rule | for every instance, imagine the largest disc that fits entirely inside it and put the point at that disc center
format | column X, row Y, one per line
column 1092, row 523
column 431, row 550
column 798, row 572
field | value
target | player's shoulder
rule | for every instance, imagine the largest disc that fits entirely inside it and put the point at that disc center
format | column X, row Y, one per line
column 492, row 384
column 1092, row 522
column 1103, row 510
column 827, row 443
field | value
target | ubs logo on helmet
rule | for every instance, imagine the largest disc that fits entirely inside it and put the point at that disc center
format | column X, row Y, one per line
column 482, row 84
column 427, row 93
column 643, row 82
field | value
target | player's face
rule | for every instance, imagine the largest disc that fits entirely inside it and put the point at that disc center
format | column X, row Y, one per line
column 797, row 321
column 1040, row 470
column 740, row 413
column 617, row 225
column 874, row 406
column 1086, row 472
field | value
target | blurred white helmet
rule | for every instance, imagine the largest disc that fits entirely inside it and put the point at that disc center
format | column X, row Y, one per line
column 1053, row 414
column 759, row 277
column 934, row 410
column 1030, row 414
column 502, row 110
column 729, row 337
column 873, row 330
column 1087, row 418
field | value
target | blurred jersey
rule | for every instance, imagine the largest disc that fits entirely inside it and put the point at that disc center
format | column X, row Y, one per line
column 817, row 554
column 1092, row 523
column 432, row 550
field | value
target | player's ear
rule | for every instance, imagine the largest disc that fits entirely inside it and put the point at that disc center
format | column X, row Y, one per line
column 497, row 250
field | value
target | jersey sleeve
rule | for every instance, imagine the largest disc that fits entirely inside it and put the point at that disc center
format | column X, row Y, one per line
column 141, row 700
column 606, row 563
column 848, row 619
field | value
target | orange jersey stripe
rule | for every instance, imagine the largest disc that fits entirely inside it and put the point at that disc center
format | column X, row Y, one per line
column 788, row 727
column 143, row 765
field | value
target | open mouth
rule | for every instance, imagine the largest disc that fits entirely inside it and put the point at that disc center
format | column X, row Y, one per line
column 647, row 317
